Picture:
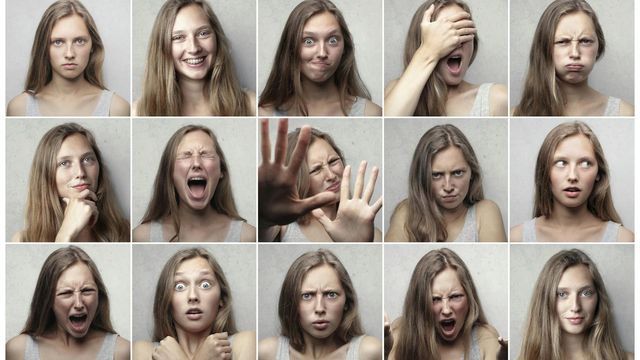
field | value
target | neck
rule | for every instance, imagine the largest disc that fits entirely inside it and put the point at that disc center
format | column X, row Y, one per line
column 63, row 86
column 452, row 215
column 448, row 346
column 574, row 92
column 462, row 87
column 65, row 338
column 314, row 92
column 572, row 346
column 569, row 217
column 192, row 92
column 196, row 218
column 190, row 342
column 319, row 348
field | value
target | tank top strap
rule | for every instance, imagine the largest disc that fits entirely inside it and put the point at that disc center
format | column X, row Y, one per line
column 611, row 232
column 293, row 234
column 283, row 348
column 354, row 348
column 357, row 109
column 529, row 231
column 235, row 229
column 108, row 349
column 469, row 232
column 104, row 104
column 31, row 351
column 474, row 350
column 32, row 105
column 613, row 107
column 481, row 105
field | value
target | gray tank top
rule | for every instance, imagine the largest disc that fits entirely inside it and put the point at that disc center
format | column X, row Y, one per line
column 293, row 234
column 352, row 351
column 107, row 351
column 613, row 107
column 474, row 351
column 469, row 232
column 481, row 103
column 529, row 231
column 102, row 108
column 235, row 228
column 357, row 109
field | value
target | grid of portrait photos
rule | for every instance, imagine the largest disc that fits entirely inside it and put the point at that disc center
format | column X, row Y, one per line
column 320, row 179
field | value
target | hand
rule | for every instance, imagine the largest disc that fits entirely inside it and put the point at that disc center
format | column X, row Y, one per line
column 169, row 349
column 503, row 354
column 441, row 37
column 278, row 200
column 79, row 212
column 354, row 219
column 215, row 347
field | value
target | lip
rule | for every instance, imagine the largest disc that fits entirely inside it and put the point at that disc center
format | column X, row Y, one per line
column 449, row 198
column 320, row 64
column 448, row 334
column 202, row 61
column 575, row 320
column 456, row 53
column 335, row 187
column 81, row 187
column 320, row 324
column 574, row 67
column 79, row 327
column 194, row 314
column 572, row 192
column 204, row 192
column 69, row 66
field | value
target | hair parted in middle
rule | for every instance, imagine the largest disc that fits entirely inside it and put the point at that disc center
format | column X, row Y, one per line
column 434, row 94
column 285, row 80
column 161, row 95
column 165, row 200
column 40, row 72
column 425, row 221
column 45, row 211
column 418, row 338
column 290, row 298
column 600, row 201
column 41, row 317
column 163, row 322
column 541, row 95
column 542, row 335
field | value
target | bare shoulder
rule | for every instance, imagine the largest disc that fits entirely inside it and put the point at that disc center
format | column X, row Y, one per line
column 488, row 341
column 248, row 233
column 266, row 110
column 626, row 109
column 15, row 347
column 18, row 237
column 487, row 208
column 498, row 100
column 252, row 102
column 142, row 350
column 370, row 348
column 630, row 356
column 18, row 105
column 625, row 235
column 390, row 86
column 396, row 232
column 134, row 107
column 372, row 109
column 142, row 233
column 119, row 106
column 123, row 349
column 515, row 234
column 244, row 345
column 268, row 348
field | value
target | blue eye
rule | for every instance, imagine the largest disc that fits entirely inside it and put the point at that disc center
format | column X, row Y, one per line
column 206, row 285
column 177, row 37
column 587, row 292
column 180, row 287
column 307, row 41
column 306, row 296
column 332, row 295
column 333, row 40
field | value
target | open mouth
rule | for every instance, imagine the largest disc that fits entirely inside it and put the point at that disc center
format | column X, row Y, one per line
column 78, row 321
column 454, row 62
column 194, row 314
column 572, row 191
column 448, row 325
column 197, row 186
column 194, row 61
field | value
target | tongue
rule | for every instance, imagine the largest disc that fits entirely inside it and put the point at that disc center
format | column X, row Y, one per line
column 453, row 64
column 197, row 189
column 448, row 326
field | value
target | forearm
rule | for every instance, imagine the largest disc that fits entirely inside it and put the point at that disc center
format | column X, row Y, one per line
column 402, row 99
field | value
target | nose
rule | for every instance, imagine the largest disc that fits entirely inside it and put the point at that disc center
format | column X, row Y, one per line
column 573, row 173
column 575, row 50
column 70, row 53
column 447, row 185
column 319, row 305
column 322, row 50
column 196, row 161
column 575, row 304
column 77, row 301
column 328, row 174
column 446, row 307
column 194, row 297
column 80, row 171
column 193, row 45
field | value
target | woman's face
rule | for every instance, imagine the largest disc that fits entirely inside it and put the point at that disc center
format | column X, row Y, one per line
column 450, row 178
column 576, row 300
column 69, row 47
column 575, row 47
column 77, row 168
column 325, row 168
column 321, row 302
column 454, row 66
column 196, row 296
column 321, row 48
column 449, row 304
column 76, row 300
column 196, row 171
column 574, row 171
column 193, row 43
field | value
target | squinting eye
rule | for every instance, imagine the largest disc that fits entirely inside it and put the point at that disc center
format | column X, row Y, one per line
column 180, row 287
column 586, row 41
column 177, row 37
column 436, row 300
column 436, row 176
column 562, row 42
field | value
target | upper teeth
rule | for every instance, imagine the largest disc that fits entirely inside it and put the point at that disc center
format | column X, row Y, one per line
column 195, row 61
column 197, row 178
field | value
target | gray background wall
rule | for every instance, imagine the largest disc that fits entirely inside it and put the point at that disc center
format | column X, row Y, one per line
column 615, row 136
column 112, row 137
column 111, row 18
column 24, row 262
column 364, row 19
column 490, row 18
column 362, row 261
column 487, row 263
column 238, row 141
column 487, row 136
column 615, row 264
column 611, row 75
column 359, row 140
column 238, row 19
column 238, row 261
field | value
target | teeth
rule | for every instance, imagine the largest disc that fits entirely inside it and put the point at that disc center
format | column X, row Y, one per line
column 195, row 61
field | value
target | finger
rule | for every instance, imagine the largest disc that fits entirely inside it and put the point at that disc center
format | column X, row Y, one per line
column 426, row 18
column 266, row 142
column 94, row 214
column 466, row 32
column 321, row 217
column 359, row 185
column 368, row 192
column 462, row 24
column 300, row 151
column 459, row 16
column 344, row 185
column 220, row 336
column 65, row 201
column 315, row 201
column 377, row 205
column 87, row 194
column 281, row 142
column 463, row 39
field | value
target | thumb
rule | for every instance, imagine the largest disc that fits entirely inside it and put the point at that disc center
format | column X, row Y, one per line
column 320, row 216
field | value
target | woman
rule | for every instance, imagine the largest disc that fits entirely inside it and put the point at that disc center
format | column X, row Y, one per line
column 581, row 327
column 65, row 69
column 573, row 201
column 442, row 316
column 315, row 180
column 324, row 320
column 69, row 314
column 189, row 70
column 192, row 198
column 314, row 70
column 441, row 45
column 192, row 313
column 446, row 201
column 70, row 196
column 567, row 43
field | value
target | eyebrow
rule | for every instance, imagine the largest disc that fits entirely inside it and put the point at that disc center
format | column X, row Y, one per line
column 203, row 27
column 332, row 32
column 201, row 272
column 71, row 157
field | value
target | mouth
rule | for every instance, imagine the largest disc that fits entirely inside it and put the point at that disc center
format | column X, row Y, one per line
column 335, row 187
column 69, row 65
column 572, row 191
column 575, row 320
column 78, row 322
column 194, row 314
column 574, row 67
column 448, row 327
column 449, row 198
column 197, row 186
column 195, row 61
column 320, row 324
column 81, row 187
column 454, row 63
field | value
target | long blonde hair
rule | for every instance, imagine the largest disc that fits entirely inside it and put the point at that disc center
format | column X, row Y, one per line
column 542, row 335
column 45, row 212
column 542, row 95
column 434, row 94
column 40, row 72
column 161, row 95
column 285, row 83
column 425, row 221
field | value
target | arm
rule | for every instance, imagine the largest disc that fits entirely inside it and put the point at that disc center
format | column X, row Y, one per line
column 119, row 106
column 371, row 109
column 490, row 346
column 141, row 233
column 244, row 346
column 248, row 233
column 396, row 232
column 625, row 235
column 14, row 349
column 439, row 38
column 122, row 349
column 267, row 348
column 79, row 212
column 498, row 100
column 490, row 226
column 18, row 105
column 142, row 350
column 515, row 235
column 370, row 348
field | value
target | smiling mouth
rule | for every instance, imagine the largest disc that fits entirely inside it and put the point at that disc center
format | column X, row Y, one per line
column 195, row 61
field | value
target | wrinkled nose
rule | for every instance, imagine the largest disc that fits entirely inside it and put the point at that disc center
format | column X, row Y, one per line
column 446, row 307
column 575, row 50
column 77, row 301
